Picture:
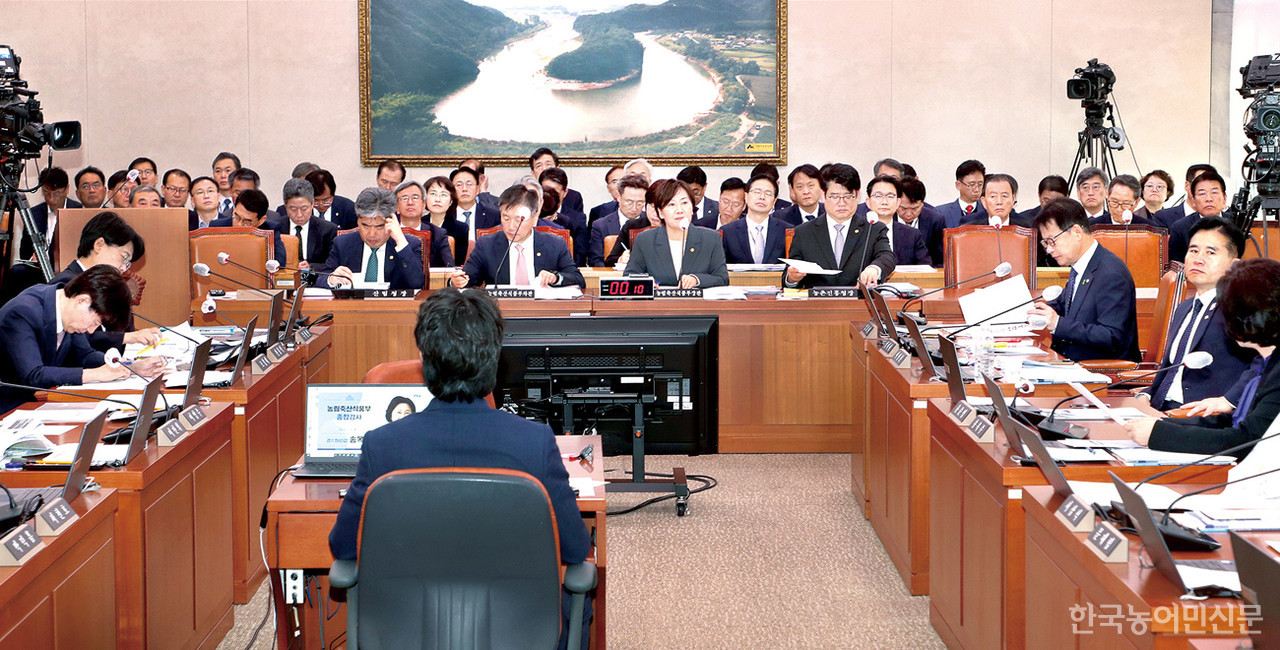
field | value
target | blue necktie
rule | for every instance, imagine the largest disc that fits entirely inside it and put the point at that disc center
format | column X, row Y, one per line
column 1246, row 397
column 1070, row 293
column 1178, row 351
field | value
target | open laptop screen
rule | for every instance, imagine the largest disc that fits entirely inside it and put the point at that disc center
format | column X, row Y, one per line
column 338, row 415
column 951, row 363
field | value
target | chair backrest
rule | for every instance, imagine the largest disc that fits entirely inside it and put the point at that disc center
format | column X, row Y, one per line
column 290, row 250
column 559, row 232
column 424, row 238
column 487, row 231
column 408, row 371
column 636, row 231
column 249, row 247
column 1173, row 289
column 609, row 242
column 458, row 558
column 1144, row 249
column 976, row 249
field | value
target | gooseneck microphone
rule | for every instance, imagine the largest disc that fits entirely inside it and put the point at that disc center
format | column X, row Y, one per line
column 110, row 436
column 113, row 360
column 524, row 213
column 1195, row 361
column 132, row 176
column 225, row 258
column 166, row 328
column 210, row 306
column 1049, row 294
column 201, row 269
column 1002, row 270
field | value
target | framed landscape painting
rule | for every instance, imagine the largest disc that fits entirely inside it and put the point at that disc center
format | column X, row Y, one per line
column 598, row 81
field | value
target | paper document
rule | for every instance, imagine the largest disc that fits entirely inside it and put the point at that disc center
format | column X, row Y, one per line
column 1100, row 444
column 1146, row 456
column 991, row 300
column 1195, row 577
column 914, row 268
column 736, row 268
column 556, row 293
column 1157, row 497
column 1125, row 413
column 316, row 292
column 904, row 287
column 1097, row 403
column 724, row 293
column 1060, row 374
column 128, row 383
column 71, row 412
column 808, row 268
column 102, row 454
column 1072, row 454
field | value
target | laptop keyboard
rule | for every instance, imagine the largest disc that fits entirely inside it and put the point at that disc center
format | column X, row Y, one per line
column 329, row 468
column 1212, row 565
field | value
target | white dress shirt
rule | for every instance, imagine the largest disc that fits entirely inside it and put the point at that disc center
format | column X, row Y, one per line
column 1079, row 267
column 306, row 230
column 848, row 232
column 1206, row 301
column 677, row 257
column 470, row 219
column 327, row 215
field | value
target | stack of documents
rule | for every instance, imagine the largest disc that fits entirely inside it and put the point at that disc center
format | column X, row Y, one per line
column 724, row 293
column 734, row 268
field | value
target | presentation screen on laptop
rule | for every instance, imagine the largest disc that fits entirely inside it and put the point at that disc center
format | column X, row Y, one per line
column 338, row 415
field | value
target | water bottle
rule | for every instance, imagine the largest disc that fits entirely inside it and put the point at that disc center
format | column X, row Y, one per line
column 984, row 350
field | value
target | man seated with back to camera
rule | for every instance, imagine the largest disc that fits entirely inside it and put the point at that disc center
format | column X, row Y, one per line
column 459, row 334
column 378, row 251
column 518, row 254
column 1249, row 298
column 1096, row 317
column 859, row 250
column 45, row 341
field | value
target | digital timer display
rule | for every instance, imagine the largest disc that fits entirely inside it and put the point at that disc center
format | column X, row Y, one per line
column 632, row 288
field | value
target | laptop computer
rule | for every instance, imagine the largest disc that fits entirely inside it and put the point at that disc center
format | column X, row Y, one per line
column 1259, row 569
column 114, row 452
column 294, row 312
column 277, row 312
column 952, row 372
column 246, row 343
column 883, row 324
column 923, row 352
column 77, row 471
column 195, row 376
column 338, row 416
column 1186, row 575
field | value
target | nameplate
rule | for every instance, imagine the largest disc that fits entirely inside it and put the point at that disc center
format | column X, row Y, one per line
column 888, row 347
column 19, row 545
column 192, row 417
column 833, row 292
column 54, row 516
column 901, row 359
column 963, row 413
column 361, row 294
column 1108, row 543
column 868, row 329
column 260, row 365
column 170, row 433
column 277, row 352
column 303, row 335
column 981, row 430
column 676, row 292
column 1076, row 514
column 511, row 293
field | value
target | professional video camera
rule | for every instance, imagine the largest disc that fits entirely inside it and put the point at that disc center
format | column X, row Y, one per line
column 1091, row 85
column 23, row 133
column 1260, row 80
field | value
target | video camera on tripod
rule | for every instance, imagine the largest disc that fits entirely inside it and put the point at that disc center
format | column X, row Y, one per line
column 23, row 135
column 1260, row 80
column 1092, row 85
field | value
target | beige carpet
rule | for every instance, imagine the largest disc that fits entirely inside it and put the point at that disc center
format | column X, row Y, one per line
column 777, row 556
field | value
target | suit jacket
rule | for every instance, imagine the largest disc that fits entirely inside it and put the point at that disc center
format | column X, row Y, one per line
column 1229, row 360
column 608, row 225
column 40, row 215
column 576, row 224
column 703, row 257
column 1105, row 220
column 403, row 269
column 792, row 216
column 778, row 206
column 441, row 254
column 1102, row 322
column 485, row 216
column 909, row 245
column 953, row 214
column 1210, row 435
column 320, row 236
column 270, row 225
column 490, row 263
column 461, row 237
column 444, row 434
column 626, row 235
column 600, row 211
column 737, row 241
column 708, row 208
column 193, row 220
column 488, row 200
column 1015, row 219
column 932, row 228
column 101, row 340
column 29, row 351
column 1169, row 216
column 864, row 245
column 1180, row 235
column 344, row 212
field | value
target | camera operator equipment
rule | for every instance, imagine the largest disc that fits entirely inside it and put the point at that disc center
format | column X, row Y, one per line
column 23, row 135
column 1260, row 80
column 1092, row 85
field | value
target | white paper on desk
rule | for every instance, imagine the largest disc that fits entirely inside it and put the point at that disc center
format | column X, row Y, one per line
column 172, row 344
column 1098, row 444
column 739, row 268
column 1093, row 399
column 26, row 444
column 903, row 287
column 988, row 301
column 1194, row 577
column 128, row 383
column 583, row 485
column 1156, row 496
column 761, row 290
column 1073, row 454
column 1060, row 374
column 724, row 293
column 362, row 284
column 914, row 268
column 556, row 293
column 74, row 412
column 1089, row 414
column 1148, row 456
column 102, row 454
column 1021, row 351
column 807, row 267
column 316, row 292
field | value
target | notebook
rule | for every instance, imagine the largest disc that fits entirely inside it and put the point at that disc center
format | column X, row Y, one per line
column 338, row 416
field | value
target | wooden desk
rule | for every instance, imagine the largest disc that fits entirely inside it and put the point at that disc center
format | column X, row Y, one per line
column 1061, row 574
column 172, row 536
column 65, row 595
column 979, row 582
column 301, row 512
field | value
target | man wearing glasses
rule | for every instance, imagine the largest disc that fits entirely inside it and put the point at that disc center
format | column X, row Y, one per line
column 1091, row 186
column 91, row 187
column 477, row 216
column 1096, row 316
column 315, row 235
column 970, row 177
column 837, row 241
column 1122, row 196
column 1209, row 199
column 176, row 188
column 999, row 195
column 631, row 204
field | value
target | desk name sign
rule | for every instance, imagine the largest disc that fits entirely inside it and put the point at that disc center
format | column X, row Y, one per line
column 277, row 352
column 981, row 430
column 887, row 347
column 260, row 365
column 361, row 294
column 1076, row 514
column 963, row 413
column 54, row 516
column 510, row 292
column 173, row 431
column 1108, row 543
column 302, row 335
column 676, row 292
column 19, row 545
column 868, row 329
column 833, row 292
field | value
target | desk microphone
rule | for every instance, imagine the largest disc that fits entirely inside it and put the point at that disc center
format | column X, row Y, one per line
column 524, row 213
column 225, row 258
column 210, row 306
column 166, row 328
column 1194, row 360
column 201, row 269
column 1002, row 270
column 1049, row 294
column 132, row 176
column 306, row 276
column 1126, row 218
column 113, row 360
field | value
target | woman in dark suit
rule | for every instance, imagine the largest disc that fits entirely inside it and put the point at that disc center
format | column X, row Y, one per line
column 442, row 210
column 677, row 253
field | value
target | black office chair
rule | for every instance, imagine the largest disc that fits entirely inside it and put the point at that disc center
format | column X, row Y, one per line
column 459, row 558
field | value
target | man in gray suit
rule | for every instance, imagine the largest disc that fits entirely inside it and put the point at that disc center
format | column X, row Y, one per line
column 837, row 241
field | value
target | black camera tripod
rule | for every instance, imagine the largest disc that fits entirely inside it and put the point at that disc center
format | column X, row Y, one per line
column 14, row 205
column 1095, row 143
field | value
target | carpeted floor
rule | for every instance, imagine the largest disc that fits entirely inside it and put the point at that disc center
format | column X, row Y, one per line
column 777, row 556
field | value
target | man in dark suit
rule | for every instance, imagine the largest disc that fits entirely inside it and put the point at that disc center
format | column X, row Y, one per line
column 315, row 235
column 1122, row 197
column 1091, row 192
column 544, row 159
column 54, row 186
column 1197, row 323
column 970, row 178
column 519, row 254
column 999, row 195
column 703, row 206
column 555, row 180
column 914, row 213
column 35, row 351
column 339, row 210
column 484, row 197
column 884, row 167
column 91, row 187
column 1209, row 198
column 250, row 211
column 470, row 212
column 1167, row 217
column 779, row 204
column 612, row 179
column 458, row 429
column 1096, row 316
column 756, row 239
column 631, row 204
column 806, row 189
column 378, row 251
column 884, row 195
column 860, row 251
column 731, row 206
column 241, row 179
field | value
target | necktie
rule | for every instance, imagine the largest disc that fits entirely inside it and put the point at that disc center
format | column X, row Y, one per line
column 757, row 244
column 302, row 246
column 1246, row 397
column 371, row 267
column 1180, row 349
column 521, row 274
column 1070, row 293
column 968, row 209
column 838, row 247
column 224, row 205
column 466, row 216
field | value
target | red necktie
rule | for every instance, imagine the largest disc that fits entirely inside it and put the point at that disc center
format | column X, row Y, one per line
column 968, row 209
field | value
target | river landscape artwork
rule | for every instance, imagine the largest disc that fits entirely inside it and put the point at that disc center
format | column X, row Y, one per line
column 675, row 81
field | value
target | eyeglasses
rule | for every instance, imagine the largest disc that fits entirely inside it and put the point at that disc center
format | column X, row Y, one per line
column 464, row 185
column 761, row 192
column 1052, row 242
column 883, row 197
column 841, row 198
column 1091, row 187
column 1204, row 194
column 1123, row 205
column 126, row 260
column 728, row 203
column 633, row 204
column 91, row 186
column 974, row 185
column 176, row 190
column 410, row 198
